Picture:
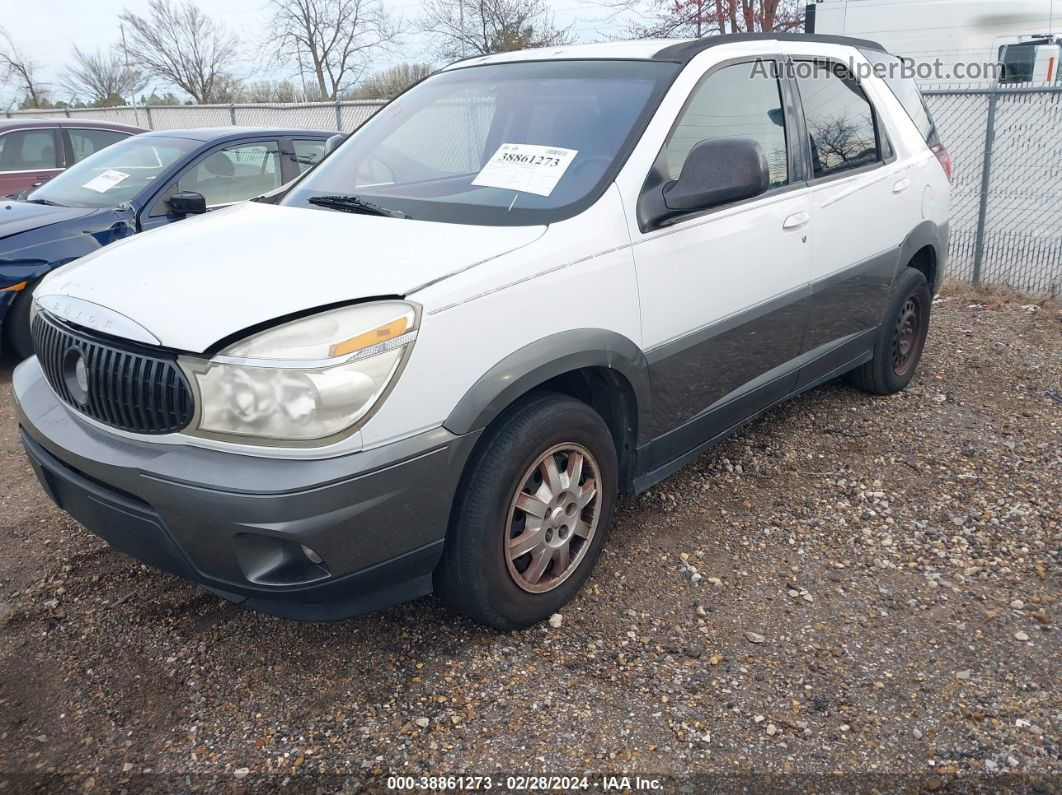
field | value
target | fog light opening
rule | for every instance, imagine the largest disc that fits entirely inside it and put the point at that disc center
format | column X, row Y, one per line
column 275, row 560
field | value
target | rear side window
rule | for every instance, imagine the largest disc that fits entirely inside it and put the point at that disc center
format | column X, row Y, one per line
column 890, row 69
column 26, row 150
column 308, row 153
column 737, row 101
column 88, row 142
column 840, row 119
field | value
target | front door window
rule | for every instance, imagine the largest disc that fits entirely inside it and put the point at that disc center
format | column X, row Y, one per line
column 235, row 173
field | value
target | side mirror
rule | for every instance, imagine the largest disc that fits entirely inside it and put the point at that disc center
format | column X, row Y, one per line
column 333, row 143
column 187, row 202
column 719, row 171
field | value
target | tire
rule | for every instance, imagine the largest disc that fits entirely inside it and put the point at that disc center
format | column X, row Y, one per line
column 901, row 338
column 477, row 575
column 17, row 337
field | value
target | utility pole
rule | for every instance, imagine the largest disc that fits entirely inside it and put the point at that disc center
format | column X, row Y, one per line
column 302, row 73
column 461, row 24
column 128, row 73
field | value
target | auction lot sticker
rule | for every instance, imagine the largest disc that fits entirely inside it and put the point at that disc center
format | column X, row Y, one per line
column 105, row 181
column 526, row 167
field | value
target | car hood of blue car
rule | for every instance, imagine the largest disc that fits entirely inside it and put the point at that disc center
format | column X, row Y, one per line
column 17, row 217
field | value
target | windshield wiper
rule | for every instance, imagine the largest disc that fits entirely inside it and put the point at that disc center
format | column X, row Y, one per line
column 48, row 202
column 352, row 204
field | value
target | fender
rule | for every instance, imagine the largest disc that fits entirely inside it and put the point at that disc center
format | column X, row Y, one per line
column 548, row 358
column 936, row 236
column 33, row 253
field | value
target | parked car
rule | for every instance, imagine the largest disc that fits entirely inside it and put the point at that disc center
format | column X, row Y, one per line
column 139, row 184
column 532, row 281
column 32, row 151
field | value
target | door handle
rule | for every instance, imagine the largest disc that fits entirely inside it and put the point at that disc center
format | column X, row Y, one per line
column 901, row 186
column 796, row 221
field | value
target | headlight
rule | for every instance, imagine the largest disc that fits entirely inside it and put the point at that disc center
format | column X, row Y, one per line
column 304, row 381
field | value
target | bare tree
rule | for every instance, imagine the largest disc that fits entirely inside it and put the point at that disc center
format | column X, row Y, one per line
column 697, row 18
column 19, row 68
column 180, row 45
column 169, row 98
column 333, row 40
column 841, row 142
column 102, row 79
column 479, row 27
column 389, row 83
column 279, row 91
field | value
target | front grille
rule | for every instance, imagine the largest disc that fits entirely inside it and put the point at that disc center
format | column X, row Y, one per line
column 120, row 387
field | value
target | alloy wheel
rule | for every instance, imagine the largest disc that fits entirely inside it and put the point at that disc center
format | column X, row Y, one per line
column 553, row 518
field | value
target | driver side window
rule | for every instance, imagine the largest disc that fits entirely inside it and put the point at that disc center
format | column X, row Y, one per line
column 235, row 173
column 743, row 100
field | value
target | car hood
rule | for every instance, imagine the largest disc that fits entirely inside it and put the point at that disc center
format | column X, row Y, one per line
column 199, row 281
column 16, row 216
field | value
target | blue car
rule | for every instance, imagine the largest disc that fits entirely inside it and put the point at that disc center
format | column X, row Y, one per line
column 133, row 186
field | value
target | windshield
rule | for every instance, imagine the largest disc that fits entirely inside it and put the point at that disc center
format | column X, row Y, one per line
column 1019, row 62
column 503, row 144
column 115, row 174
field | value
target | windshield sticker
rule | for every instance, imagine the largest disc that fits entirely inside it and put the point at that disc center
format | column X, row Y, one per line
column 102, row 183
column 526, row 167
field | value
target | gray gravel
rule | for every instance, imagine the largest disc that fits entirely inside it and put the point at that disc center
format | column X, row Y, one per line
column 848, row 586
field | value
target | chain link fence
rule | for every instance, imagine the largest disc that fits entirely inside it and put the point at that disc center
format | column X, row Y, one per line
column 1005, row 144
column 1006, row 147
column 341, row 116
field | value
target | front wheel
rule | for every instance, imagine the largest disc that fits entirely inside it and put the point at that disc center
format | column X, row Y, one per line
column 531, row 514
column 901, row 339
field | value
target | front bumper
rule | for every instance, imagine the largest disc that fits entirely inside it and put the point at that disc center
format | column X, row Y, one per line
column 237, row 524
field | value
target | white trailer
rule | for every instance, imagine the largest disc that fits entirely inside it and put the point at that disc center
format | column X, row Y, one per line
column 955, row 41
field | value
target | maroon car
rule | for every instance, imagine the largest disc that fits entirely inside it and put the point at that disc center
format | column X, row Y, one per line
column 32, row 151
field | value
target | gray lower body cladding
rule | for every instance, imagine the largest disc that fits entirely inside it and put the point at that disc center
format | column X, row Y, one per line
column 374, row 521
column 719, row 376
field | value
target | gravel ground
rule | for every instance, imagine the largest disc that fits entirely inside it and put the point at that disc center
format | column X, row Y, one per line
column 849, row 587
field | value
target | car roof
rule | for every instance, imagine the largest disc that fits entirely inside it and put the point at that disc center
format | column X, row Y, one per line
column 212, row 134
column 673, row 50
column 64, row 121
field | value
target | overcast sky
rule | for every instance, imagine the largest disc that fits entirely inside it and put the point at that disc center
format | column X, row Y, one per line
column 47, row 29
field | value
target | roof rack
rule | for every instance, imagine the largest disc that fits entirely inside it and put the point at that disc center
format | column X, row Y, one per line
column 684, row 51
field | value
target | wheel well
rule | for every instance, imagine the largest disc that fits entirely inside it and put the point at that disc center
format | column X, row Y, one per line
column 611, row 395
column 925, row 260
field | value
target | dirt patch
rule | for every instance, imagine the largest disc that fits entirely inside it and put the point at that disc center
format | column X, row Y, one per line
column 849, row 586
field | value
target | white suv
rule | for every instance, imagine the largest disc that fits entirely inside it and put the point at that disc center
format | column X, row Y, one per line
column 532, row 281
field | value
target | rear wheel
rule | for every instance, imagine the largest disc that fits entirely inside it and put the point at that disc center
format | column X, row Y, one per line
column 901, row 339
column 531, row 514
column 17, row 324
